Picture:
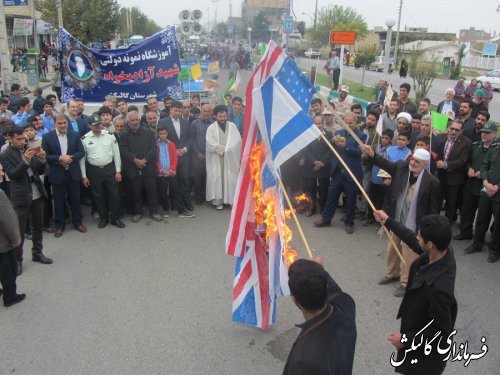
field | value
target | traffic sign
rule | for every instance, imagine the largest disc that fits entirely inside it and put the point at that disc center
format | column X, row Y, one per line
column 288, row 25
column 343, row 37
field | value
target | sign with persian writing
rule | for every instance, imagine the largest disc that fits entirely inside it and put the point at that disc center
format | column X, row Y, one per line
column 148, row 68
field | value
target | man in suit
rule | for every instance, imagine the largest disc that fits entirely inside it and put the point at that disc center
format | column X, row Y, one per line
column 76, row 123
column 341, row 181
column 413, row 194
column 179, row 132
column 448, row 104
column 23, row 166
column 315, row 163
column 138, row 150
column 64, row 151
column 452, row 158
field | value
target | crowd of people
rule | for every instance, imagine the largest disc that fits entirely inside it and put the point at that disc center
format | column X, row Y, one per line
column 119, row 160
column 125, row 160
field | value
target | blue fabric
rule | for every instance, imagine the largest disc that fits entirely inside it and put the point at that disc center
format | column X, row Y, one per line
column 150, row 67
column 48, row 122
column 382, row 151
column 164, row 156
column 394, row 153
column 20, row 120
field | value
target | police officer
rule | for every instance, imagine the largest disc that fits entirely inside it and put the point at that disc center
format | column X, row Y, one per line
column 489, row 203
column 474, row 184
column 101, row 170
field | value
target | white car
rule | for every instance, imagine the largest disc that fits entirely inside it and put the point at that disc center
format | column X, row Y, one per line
column 492, row 77
column 312, row 53
column 378, row 64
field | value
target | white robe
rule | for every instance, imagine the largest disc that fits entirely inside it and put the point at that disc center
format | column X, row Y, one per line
column 231, row 153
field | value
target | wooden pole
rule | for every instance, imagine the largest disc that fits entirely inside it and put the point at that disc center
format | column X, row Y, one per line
column 294, row 215
column 365, row 194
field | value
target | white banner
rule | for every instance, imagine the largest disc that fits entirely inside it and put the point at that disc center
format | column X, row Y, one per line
column 43, row 27
column 22, row 26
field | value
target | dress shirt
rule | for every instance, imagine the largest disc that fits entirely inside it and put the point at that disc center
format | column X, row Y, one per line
column 177, row 127
column 100, row 151
column 63, row 142
column 47, row 121
column 20, row 120
column 448, row 147
column 447, row 107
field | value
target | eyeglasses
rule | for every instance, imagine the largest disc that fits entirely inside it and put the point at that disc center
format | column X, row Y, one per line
column 186, row 107
column 455, row 129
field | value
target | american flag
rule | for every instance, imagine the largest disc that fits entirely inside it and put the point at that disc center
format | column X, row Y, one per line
column 260, row 273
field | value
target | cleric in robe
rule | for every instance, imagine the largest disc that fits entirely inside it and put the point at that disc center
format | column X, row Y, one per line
column 79, row 66
column 223, row 159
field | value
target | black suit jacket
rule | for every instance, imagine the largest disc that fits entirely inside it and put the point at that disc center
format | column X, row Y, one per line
column 455, row 107
column 185, row 136
column 317, row 150
column 16, row 169
column 50, row 143
column 455, row 174
column 429, row 196
column 83, row 127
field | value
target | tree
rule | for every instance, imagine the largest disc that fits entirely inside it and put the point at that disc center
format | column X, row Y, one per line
column 336, row 17
column 423, row 72
column 133, row 21
column 87, row 20
column 260, row 28
column 455, row 73
column 365, row 55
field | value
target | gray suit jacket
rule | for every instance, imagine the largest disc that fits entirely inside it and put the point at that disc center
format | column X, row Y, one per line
column 9, row 225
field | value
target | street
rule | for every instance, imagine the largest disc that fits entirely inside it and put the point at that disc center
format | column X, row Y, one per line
column 436, row 93
column 155, row 298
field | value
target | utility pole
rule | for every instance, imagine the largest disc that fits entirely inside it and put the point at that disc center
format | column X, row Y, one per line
column 396, row 44
column 35, row 34
column 59, row 13
column 315, row 14
column 4, row 51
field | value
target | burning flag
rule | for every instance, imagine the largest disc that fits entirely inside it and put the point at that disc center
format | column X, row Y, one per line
column 258, row 234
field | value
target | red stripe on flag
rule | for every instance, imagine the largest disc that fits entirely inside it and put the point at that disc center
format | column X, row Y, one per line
column 244, row 277
column 263, row 272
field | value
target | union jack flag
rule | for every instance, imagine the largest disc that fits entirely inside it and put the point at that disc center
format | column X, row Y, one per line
column 260, row 273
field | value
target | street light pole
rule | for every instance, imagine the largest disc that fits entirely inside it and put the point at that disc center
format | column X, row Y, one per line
column 396, row 45
column 389, row 22
column 59, row 13
column 250, row 36
column 315, row 14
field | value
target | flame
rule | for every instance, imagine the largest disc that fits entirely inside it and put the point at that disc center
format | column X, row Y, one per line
column 303, row 198
column 265, row 206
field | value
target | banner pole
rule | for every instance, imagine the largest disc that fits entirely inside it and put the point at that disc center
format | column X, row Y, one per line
column 365, row 194
column 294, row 215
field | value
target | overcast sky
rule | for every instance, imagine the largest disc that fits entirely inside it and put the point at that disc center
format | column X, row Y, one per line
column 436, row 15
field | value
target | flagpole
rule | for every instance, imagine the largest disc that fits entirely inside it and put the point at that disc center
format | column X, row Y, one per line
column 365, row 194
column 294, row 215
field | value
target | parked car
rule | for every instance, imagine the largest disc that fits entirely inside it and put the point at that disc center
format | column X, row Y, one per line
column 312, row 53
column 378, row 64
column 492, row 77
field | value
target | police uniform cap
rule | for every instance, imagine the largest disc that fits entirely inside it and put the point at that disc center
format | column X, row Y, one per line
column 94, row 119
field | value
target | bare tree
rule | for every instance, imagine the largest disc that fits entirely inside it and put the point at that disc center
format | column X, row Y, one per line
column 423, row 70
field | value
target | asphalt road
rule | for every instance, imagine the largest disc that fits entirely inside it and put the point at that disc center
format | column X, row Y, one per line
column 436, row 93
column 155, row 298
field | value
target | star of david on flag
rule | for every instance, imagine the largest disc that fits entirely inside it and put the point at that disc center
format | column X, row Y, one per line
column 285, row 126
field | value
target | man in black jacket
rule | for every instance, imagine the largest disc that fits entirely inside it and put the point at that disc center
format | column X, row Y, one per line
column 327, row 341
column 138, row 150
column 23, row 166
column 429, row 307
column 315, row 164
column 413, row 194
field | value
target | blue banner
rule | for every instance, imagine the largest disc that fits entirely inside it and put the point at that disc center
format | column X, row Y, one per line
column 15, row 2
column 148, row 68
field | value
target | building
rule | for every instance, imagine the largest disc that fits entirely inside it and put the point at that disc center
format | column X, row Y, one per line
column 473, row 35
column 273, row 9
